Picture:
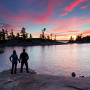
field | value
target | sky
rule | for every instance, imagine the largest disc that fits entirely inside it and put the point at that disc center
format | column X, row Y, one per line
column 63, row 18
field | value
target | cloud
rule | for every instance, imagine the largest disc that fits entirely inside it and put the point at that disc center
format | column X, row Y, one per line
column 70, row 24
column 73, row 31
column 9, row 27
column 64, row 14
column 70, row 27
column 86, row 32
column 45, row 17
column 72, row 6
column 42, row 16
column 84, row 7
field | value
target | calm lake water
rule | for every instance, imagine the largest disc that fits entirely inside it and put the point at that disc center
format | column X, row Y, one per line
column 55, row 59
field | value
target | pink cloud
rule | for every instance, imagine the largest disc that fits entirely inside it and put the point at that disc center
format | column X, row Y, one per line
column 84, row 7
column 28, row 15
column 83, row 23
column 9, row 27
column 86, row 32
column 21, row 17
column 64, row 14
column 73, row 31
column 70, row 24
column 73, row 5
column 65, row 34
column 45, row 17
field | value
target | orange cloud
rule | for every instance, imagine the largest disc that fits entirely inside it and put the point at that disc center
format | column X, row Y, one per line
column 74, row 31
column 86, row 32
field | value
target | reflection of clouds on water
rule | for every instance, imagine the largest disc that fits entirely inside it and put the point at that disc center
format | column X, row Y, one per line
column 56, row 59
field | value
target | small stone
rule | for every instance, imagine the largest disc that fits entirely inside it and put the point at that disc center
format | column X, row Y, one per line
column 73, row 74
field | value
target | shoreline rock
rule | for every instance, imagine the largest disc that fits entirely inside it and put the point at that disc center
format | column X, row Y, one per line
column 34, row 81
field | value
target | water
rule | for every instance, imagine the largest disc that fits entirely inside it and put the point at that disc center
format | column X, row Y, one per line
column 55, row 60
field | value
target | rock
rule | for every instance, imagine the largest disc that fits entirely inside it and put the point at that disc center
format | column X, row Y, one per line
column 73, row 74
column 10, row 82
column 33, row 81
column 1, row 50
column 81, row 76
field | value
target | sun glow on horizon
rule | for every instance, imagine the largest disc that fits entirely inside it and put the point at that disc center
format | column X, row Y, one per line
column 74, row 37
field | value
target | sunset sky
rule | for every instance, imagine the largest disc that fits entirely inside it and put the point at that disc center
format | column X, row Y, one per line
column 63, row 18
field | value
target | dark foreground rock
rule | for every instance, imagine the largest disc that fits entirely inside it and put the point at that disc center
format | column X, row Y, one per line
column 33, row 81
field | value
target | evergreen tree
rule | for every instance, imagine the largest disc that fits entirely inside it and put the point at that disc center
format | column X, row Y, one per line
column 23, row 32
column 30, row 36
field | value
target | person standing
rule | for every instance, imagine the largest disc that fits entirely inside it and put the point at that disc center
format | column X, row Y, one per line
column 24, row 57
column 14, row 59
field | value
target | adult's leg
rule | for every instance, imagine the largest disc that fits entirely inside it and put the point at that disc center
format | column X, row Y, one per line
column 26, row 63
column 22, row 63
column 12, row 68
column 15, row 71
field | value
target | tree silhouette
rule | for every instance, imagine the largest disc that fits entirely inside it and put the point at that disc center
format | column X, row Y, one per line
column 30, row 36
column 51, row 36
column 18, row 35
column 40, row 35
column 71, row 40
column 79, row 37
column 48, row 37
column 12, row 36
column 23, row 32
column 3, row 34
column 0, row 35
column 26, row 35
column 55, row 38
column 43, row 36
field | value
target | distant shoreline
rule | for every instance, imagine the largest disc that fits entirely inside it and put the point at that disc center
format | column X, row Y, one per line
column 33, row 42
column 37, row 42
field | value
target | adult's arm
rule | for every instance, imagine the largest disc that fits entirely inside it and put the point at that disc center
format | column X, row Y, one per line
column 20, row 56
column 18, row 59
column 10, row 58
column 27, row 57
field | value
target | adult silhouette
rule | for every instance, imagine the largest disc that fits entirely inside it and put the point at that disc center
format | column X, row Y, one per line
column 14, row 59
column 24, row 57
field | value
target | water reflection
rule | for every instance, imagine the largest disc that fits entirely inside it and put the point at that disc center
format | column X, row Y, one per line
column 56, row 59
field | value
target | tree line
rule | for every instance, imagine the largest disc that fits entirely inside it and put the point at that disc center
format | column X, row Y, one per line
column 80, row 39
column 5, row 35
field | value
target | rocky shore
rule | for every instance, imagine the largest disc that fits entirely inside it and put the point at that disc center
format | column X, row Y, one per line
column 34, row 81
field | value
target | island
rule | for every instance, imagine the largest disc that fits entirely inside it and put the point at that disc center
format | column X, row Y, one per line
column 25, row 39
